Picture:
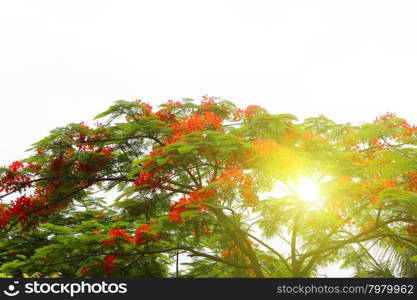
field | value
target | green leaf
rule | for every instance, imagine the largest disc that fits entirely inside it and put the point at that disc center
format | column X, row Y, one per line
column 134, row 172
column 103, row 114
column 162, row 160
column 138, row 161
column 189, row 214
column 185, row 149
column 414, row 258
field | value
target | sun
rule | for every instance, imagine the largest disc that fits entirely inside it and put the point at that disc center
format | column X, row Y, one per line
column 304, row 188
column 308, row 190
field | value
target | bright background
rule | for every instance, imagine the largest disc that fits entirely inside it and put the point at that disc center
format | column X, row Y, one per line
column 66, row 61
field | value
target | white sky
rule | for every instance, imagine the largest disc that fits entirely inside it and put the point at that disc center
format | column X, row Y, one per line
column 65, row 61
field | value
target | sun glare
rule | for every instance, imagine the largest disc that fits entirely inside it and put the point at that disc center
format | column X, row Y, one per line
column 308, row 190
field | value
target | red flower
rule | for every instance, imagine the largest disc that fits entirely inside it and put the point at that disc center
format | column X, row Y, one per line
column 16, row 166
column 85, row 270
column 175, row 216
column 226, row 253
column 141, row 234
column 34, row 167
column 109, row 264
column 247, row 113
column 193, row 123
column 82, row 124
column 18, row 208
column 107, row 151
column 144, row 178
column 116, row 234
column 194, row 201
column 146, row 108
column 209, row 102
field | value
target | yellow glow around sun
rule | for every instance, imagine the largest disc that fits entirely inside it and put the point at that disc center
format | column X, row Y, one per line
column 308, row 190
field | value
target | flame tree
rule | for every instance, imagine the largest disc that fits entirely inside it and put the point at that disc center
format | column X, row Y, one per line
column 147, row 188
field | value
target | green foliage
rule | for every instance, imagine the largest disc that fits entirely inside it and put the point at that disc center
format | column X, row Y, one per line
column 218, row 188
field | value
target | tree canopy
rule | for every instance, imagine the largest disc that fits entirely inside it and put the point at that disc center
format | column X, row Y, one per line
column 207, row 189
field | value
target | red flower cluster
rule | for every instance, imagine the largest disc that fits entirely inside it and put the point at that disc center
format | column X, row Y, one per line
column 145, row 111
column 247, row 113
column 247, row 193
column 95, row 163
column 117, row 234
column 84, row 271
column 109, row 264
column 409, row 129
column 208, row 103
column 411, row 181
column 105, row 150
column 58, row 163
column 24, row 206
column 142, row 236
column 166, row 114
column 82, row 124
column 14, row 179
column 231, row 251
column 9, row 182
column 373, row 193
column 193, row 201
column 16, row 166
column 21, row 208
column 195, row 123
column 144, row 178
column 146, row 108
column 202, row 119
column 18, row 208
column 236, row 177
column 34, row 167
column 412, row 229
